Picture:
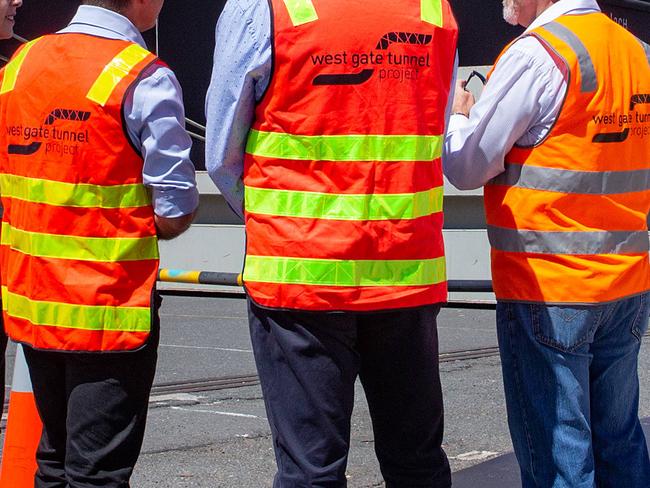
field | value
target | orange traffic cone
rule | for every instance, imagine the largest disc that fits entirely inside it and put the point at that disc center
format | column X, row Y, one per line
column 23, row 430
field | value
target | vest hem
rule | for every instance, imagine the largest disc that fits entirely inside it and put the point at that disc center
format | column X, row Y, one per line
column 571, row 304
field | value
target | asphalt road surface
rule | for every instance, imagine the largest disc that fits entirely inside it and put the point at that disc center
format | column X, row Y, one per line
column 221, row 438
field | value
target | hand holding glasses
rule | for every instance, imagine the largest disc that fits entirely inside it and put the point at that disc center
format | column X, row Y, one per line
column 473, row 74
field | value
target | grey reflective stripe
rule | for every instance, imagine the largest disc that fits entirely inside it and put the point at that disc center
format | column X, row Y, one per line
column 587, row 70
column 551, row 242
column 646, row 48
column 569, row 181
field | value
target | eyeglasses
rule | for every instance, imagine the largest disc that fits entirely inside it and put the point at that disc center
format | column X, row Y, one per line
column 476, row 74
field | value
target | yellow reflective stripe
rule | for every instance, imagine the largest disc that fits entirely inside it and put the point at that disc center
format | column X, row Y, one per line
column 344, row 147
column 431, row 12
column 83, row 317
column 330, row 272
column 84, row 195
column 329, row 206
column 301, row 11
column 114, row 72
column 99, row 249
column 13, row 68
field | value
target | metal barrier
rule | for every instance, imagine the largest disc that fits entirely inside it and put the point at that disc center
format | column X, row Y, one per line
column 199, row 277
column 234, row 279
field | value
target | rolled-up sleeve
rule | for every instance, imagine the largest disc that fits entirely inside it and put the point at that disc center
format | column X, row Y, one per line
column 155, row 119
column 242, row 67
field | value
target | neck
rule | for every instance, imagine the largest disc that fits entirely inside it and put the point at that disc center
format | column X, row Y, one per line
column 543, row 5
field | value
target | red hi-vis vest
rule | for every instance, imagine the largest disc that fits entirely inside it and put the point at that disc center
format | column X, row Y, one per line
column 567, row 218
column 79, row 246
column 343, row 177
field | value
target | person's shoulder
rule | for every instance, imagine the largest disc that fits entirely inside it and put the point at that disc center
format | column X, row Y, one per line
column 248, row 5
column 159, row 75
column 528, row 49
column 528, row 45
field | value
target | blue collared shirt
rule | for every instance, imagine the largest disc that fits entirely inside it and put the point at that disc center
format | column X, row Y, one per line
column 155, row 119
column 241, row 74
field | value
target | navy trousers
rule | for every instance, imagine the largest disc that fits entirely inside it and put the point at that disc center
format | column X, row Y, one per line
column 308, row 363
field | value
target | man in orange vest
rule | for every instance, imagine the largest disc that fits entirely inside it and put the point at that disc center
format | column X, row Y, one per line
column 7, row 21
column 325, row 126
column 560, row 138
column 95, row 168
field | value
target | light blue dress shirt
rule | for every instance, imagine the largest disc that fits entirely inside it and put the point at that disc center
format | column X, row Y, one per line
column 155, row 119
column 240, row 76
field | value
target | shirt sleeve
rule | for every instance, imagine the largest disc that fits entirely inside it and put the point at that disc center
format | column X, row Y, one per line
column 155, row 120
column 518, row 106
column 241, row 74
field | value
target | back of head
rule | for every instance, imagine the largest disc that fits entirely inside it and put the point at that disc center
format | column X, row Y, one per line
column 142, row 13
column 115, row 5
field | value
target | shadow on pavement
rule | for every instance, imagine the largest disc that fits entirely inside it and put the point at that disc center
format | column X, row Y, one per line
column 502, row 471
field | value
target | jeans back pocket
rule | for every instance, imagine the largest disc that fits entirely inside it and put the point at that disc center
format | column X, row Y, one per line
column 565, row 328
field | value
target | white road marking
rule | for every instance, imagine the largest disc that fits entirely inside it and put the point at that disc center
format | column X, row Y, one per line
column 210, row 317
column 174, row 397
column 217, row 412
column 474, row 456
column 227, row 349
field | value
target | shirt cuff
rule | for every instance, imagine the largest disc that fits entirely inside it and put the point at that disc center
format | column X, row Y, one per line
column 175, row 203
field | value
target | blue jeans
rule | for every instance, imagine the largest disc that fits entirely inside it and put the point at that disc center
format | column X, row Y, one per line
column 572, row 392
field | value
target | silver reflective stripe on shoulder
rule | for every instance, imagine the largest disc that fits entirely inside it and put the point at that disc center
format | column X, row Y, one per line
column 569, row 181
column 646, row 48
column 587, row 70
column 585, row 243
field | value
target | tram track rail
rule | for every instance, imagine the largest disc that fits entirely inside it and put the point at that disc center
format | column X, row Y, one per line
column 240, row 381
column 251, row 379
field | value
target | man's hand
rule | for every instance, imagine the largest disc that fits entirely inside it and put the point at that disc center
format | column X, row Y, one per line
column 169, row 228
column 463, row 100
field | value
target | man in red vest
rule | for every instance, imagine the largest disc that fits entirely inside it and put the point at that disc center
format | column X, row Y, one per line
column 559, row 139
column 325, row 124
column 7, row 21
column 95, row 168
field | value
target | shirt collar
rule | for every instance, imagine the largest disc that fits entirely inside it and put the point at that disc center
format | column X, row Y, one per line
column 563, row 7
column 105, row 23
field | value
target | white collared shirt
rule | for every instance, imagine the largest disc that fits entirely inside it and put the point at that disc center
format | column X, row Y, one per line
column 519, row 105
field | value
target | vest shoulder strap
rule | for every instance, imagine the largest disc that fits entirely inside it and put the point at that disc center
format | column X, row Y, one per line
column 303, row 11
column 13, row 67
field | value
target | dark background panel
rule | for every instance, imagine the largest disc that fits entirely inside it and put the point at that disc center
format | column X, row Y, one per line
column 482, row 31
column 186, row 37
column 634, row 15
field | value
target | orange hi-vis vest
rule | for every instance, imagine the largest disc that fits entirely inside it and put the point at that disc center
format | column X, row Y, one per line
column 343, row 177
column 567, row 218
column 79, row 246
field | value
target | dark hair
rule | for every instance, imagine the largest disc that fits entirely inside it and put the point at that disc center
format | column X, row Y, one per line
column 116, row 5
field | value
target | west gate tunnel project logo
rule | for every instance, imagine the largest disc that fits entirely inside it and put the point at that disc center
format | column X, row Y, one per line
column 630, row 124
column 378, row 62
column 56, row 141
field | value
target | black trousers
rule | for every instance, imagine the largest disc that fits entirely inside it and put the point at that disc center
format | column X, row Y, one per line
column 94, row 408
column 308, row 364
